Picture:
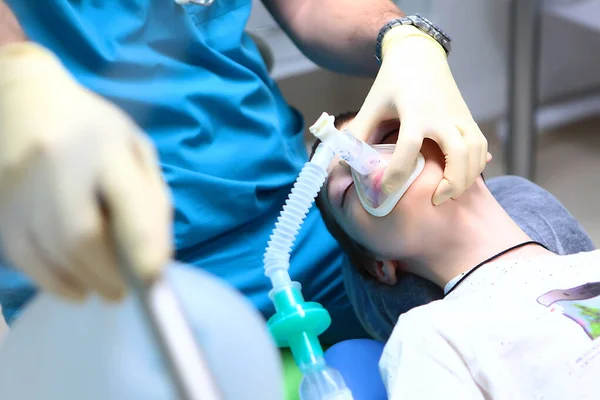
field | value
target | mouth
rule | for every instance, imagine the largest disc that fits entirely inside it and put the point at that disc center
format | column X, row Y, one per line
column 377, row 179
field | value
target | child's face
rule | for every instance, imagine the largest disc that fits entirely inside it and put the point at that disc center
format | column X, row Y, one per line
column 407, row 229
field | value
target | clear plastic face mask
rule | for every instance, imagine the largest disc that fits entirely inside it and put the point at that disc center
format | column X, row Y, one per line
column 368, row 187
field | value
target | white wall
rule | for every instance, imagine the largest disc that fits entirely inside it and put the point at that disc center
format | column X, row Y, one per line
column 479, row 28
column 570, row 54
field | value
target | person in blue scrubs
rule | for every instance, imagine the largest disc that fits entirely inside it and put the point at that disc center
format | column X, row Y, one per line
column 228, row 144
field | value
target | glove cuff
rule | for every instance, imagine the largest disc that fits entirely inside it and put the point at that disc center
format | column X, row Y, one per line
column 25, row 60
column 403, row 32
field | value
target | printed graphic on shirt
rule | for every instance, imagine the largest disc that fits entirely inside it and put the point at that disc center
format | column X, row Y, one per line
column 580, row 304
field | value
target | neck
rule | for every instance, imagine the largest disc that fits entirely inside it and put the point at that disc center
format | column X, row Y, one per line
column 478, row 228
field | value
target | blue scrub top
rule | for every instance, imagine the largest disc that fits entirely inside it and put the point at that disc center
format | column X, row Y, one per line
column 229, row 145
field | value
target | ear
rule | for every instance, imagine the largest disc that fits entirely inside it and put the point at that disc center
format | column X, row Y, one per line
column 386, row 272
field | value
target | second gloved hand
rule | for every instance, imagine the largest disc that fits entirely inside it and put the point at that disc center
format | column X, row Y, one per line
column 69, row 159
column 415, row 84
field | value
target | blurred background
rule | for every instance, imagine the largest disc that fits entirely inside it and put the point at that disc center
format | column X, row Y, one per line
column 565, row 126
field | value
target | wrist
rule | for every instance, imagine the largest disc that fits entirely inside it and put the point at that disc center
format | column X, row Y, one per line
column 402, row 33
column 26, row 60
column 5, row 41
column 10, row 29
column 22, row 49
column 411, row 27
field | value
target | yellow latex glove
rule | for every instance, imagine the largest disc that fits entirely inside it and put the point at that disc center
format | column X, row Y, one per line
column 62, row 148
column 415, row 84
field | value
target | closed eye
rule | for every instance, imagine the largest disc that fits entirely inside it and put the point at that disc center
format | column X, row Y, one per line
column 345, row 192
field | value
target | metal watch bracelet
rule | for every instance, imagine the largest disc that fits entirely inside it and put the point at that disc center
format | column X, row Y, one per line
column 421, row 23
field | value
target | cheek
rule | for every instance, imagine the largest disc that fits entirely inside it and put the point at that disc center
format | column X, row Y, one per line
column 400, row 233
column 420, row 193
column 415, row 213
column 382, row 236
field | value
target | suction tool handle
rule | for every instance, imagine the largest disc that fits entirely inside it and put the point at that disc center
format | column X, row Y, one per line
column 184, row 360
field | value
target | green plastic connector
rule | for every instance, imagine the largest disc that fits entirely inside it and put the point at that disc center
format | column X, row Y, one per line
column 297, row 324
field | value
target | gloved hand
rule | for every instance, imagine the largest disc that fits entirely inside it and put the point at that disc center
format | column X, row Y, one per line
column 69, row 159
column 415, row 84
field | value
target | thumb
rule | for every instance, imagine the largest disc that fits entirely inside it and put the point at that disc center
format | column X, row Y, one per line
column 400, row 166
column 139, row 209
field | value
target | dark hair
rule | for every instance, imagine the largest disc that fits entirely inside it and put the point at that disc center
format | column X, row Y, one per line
column 359, row 256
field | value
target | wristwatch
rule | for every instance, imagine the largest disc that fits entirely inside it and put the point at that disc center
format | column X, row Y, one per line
column 420, row 22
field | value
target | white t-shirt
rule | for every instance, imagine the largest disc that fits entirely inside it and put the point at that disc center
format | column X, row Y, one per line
column 514, row 329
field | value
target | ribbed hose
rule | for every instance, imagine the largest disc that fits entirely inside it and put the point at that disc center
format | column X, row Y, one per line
column 307, row 186
column 297, row 323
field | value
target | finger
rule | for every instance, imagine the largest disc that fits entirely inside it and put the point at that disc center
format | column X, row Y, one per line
column 487, row 157
column 372, row 112
column 138, row 208
column 344, row 164
column 27, row 244
column 94, row 261
column 78, row 259
column 27, row 255
column 477, row 148
column 475, row 134
column 147, row 156
column 400, row 166
column 457, row 161
column 70, row 231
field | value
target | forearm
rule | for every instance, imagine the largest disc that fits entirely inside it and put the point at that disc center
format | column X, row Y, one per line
column 10, row 29
column 338, row 35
